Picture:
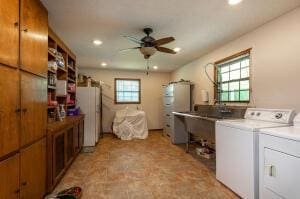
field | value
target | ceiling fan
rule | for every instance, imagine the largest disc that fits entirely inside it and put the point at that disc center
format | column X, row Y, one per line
column 149, row 45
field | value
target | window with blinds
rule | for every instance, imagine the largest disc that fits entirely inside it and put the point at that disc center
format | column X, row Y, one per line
column 233, row 78
column 127, row 91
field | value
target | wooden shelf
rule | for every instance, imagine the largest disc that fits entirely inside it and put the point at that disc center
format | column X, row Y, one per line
column 66, row 73
column 52, row 87
column 61, row 69
column 51, row 54
column 51, row 71
column 52, row 107
column 71, row 80
column 69, row 105
column 61, row 96
column 72, row 69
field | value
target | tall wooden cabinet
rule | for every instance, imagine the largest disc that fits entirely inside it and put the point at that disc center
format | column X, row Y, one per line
column 9, row 110
column 33, row 106
column 34, row 37
column 23, row 99
column 9, row 178
column 33, row 170
column 9, row 32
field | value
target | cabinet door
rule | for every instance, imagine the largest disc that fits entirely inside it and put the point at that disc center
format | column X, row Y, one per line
column 81, row 134
column 34, row 37
column 59, row 155
column 33, row 170
column 34, row 107
column 9, row 178
column 9, row 32
column 76, row 138
column 9, row 110
column 70, row 145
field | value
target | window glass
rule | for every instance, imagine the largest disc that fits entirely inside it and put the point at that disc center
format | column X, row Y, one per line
column 127, row 91
column 233, row 78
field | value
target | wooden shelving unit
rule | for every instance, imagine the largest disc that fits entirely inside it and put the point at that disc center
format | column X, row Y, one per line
column 67, row 72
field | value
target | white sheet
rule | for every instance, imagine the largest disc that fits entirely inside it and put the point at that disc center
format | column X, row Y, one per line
column 130, row 124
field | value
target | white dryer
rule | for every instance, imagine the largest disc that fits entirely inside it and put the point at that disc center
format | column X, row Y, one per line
column 237, row 148
column 279, row 160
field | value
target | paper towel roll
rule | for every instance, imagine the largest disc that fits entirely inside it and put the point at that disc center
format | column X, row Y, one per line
column 204, row 96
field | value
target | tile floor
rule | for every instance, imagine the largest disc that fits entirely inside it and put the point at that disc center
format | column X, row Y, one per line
column 151, row 168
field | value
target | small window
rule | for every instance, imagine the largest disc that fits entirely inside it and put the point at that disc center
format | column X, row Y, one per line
column 127, row 91
column 233, row 78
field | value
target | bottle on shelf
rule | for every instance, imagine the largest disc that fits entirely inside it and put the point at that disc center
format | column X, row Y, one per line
column 62, row 111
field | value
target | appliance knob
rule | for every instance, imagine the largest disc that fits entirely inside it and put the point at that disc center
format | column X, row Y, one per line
column 253, row 113
column 278, row 115
column 258, row 114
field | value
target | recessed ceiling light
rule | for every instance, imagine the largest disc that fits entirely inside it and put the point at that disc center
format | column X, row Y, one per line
column 97, row 42
column 177, row 49
column 155, row 67
column 234, row 2
column 103, row 64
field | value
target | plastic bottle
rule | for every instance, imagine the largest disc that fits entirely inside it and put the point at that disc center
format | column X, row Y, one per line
column 62, row 111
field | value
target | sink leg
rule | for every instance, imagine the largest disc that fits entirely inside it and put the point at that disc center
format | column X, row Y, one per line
column 187, row 143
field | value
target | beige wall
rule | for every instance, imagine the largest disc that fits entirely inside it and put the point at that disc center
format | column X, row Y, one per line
column 151, row 96
column 275, row 64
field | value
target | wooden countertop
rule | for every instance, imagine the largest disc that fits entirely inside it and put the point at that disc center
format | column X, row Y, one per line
column 59, row 125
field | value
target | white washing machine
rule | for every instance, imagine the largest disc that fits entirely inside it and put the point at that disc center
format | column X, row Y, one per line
column 237, row 148
column 279, row 160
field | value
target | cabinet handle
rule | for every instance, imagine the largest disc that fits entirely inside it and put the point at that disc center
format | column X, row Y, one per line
column 168, row 115
column 25, row 30
column 17, row 191
column 24, row 183
column 18, row 110
column 16, row 24
column 270, row 170
column 168, row 125
column 24, row 110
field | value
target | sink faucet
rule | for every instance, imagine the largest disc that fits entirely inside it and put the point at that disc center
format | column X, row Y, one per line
column 222, row 108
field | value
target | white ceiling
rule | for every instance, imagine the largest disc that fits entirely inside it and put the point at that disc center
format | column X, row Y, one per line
column 197, row 25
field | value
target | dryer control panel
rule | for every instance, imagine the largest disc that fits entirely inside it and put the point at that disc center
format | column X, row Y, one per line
column 270, row 115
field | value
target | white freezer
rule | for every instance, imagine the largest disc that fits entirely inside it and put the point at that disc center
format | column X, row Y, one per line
column 88, row 99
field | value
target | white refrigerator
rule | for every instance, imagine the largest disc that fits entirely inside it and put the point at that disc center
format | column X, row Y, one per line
column 89, row 101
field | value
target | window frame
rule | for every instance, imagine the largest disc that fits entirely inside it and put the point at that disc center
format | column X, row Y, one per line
column 239, row 54
column 128, row 79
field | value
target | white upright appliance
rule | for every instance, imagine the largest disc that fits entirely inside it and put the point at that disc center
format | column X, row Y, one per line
column 279, row 160
column 88, row 99
column 177, row 97
column 237, row 148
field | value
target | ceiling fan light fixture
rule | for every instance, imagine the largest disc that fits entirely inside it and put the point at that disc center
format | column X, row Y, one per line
column 103, row 64
column 234, row 2
column 97, row 42
column 148, row 51
column 155, row 67
column 177, row 49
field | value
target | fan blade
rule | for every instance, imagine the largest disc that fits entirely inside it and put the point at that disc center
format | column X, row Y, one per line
column 163, row 41
column 133, row 39
column 165, row 50
column 128, row 49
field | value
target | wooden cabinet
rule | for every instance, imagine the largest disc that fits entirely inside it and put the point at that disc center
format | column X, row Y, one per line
column 59, row 155
column 81, row 134
column 33, row 108
column 34, row 37
column 76, row 138
column 33, row 171
column 9, row 178
column 9, row 110
column 9, row 32
column 62, row 148
column 70, row 145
